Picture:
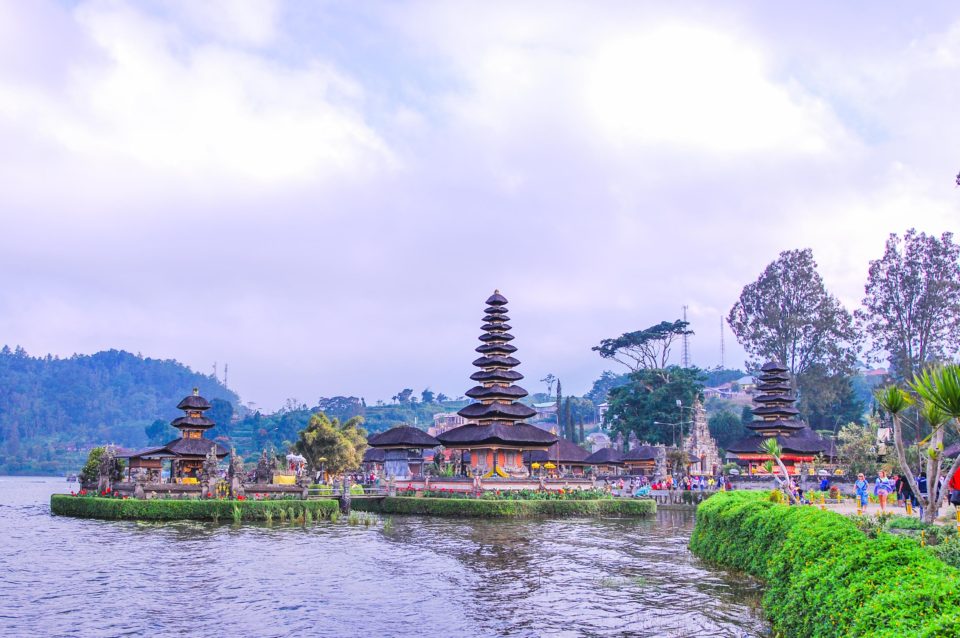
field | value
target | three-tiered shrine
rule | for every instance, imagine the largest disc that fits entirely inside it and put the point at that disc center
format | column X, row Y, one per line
column 496, row 435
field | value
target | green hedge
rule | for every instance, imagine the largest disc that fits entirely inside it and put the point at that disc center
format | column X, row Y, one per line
column 472, row 507
column 824, row 576
column 198, row 510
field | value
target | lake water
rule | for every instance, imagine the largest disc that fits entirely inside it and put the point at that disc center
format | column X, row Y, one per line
column 426, row 576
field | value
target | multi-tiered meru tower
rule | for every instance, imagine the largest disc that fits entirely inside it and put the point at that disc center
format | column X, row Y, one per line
column 776, row 416
column 496, row 435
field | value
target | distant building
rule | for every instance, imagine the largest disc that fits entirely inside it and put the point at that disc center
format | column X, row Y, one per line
column 443, row 421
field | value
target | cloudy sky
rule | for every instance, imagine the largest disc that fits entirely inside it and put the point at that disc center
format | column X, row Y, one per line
column 322, row 194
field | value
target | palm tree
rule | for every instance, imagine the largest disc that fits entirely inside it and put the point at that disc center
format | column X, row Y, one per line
column 940, row 390
column 772, row 447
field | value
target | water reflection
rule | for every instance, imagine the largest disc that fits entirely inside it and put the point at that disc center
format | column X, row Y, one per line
column 602, row 577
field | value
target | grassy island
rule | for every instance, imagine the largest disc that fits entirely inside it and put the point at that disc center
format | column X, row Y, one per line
column 825, row 576
column 190, row 509
column 504, row 508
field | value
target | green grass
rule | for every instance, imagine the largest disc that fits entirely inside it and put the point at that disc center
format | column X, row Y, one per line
column 470, row 507
column 195, row 510
column 824, row 576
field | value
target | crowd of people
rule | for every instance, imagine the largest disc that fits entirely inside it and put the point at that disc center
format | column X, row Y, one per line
column 643, row 485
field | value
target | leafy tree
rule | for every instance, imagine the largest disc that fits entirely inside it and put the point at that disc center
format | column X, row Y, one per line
column 341, row 407
column 828, row 401
column 602, row 386
column 644, row 349
column 560, row 429
column 857, row 445
column 549, row 380
column 341, row 445
column 441, row 397
column 726, row 427
column 788, row 315
column 403, row 396
column 651, row 395
column 427, row 396
column 568, row 425
column 911, row 308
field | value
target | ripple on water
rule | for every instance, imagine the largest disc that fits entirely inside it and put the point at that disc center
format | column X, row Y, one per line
column 606, row 577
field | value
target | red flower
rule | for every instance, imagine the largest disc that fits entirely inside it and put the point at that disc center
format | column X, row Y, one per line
column 209, row 495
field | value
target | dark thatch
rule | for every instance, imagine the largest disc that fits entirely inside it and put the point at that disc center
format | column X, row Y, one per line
column 195, row 447
column 496, row 299
column 605, row 456
column 374, row 455
column 569, row 454
column 804, row 441
column 641, row 453
column 506, row 392
column 497, row 410
column 496, row 362
column 498, row 336
column 494, row 349
column 496, row 376
column 196, row 423
column 518, row 434
column 194, row 402
column 402, row 436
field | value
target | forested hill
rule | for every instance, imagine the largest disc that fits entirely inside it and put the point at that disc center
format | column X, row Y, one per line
column 51, row 408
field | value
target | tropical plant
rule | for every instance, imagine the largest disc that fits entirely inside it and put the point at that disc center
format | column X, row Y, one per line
column 340, row 445
column 939, row 390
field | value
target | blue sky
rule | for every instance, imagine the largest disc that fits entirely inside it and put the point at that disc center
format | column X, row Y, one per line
column 322, row 194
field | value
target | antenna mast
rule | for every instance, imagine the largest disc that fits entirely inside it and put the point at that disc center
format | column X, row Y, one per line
column 214, row 369
column 225, row 374
column 686, row 343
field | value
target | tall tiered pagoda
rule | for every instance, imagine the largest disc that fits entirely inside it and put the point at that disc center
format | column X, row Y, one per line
column 496, row 434
column 777, row 417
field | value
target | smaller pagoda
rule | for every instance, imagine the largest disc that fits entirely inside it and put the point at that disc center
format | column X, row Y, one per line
column 403, row 448
column 567, row 457
column 776, row 417
column 495, row 433
column 186, row 453
column 606, row 461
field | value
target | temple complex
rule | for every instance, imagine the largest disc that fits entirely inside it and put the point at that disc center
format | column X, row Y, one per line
column 495, row 434
column 777, row 417
column 607, row 461
column 187, row 453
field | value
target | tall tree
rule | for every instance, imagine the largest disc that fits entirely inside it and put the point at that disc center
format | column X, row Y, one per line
column 644, row 349
column 580, row 437
column 549, row 380
column 568, row 421
column 911, row 307
column 427, row 396
column 788, row 315
column 560, row 430
column 650, row 399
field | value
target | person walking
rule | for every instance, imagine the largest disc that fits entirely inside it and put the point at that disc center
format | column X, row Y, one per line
column 881, row 488
column 922, row 486
column 861, row 487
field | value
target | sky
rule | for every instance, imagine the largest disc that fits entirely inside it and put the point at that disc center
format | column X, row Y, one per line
column 323, row 194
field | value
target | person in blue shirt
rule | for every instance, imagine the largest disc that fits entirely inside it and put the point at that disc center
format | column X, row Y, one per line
column 922, row 486
column 861, row 486
column 825, row 484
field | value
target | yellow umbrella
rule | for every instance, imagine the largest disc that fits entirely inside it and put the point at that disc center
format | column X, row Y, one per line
column 535, row 466
column 550, row 466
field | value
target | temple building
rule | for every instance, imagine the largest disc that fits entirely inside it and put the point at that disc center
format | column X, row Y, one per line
column 607, row 461
column 186, row 453
column 403, row 448
column 777, row 417
column 567, row 457
column 496, row 436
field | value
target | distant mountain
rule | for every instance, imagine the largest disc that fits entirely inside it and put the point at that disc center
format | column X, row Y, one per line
column 52, row 409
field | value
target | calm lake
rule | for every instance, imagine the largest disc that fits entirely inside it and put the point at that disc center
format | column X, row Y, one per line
column 421, row 576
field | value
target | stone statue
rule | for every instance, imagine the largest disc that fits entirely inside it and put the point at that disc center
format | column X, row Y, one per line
column 209, row 473
column 107, row 469
column 140, row 481
column 236, row 473
column 263, row 469
column 345, row 496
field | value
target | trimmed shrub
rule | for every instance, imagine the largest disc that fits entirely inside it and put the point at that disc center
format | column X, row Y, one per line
column 825, row 577
column 190, row 509
column 472, row 507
